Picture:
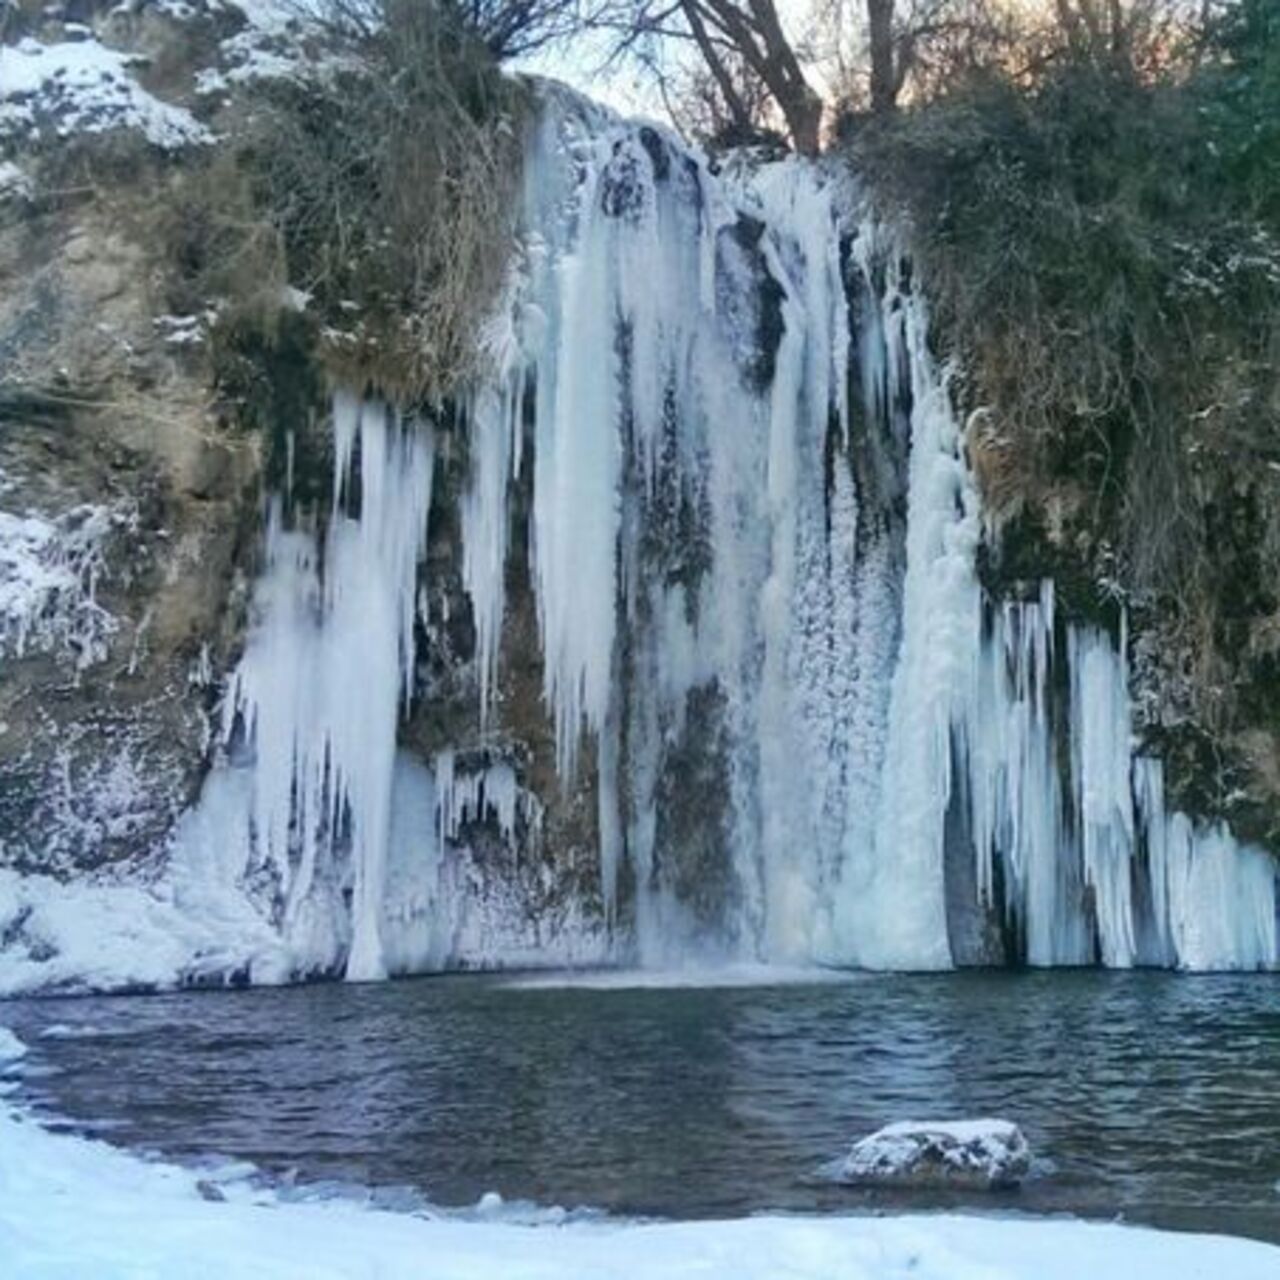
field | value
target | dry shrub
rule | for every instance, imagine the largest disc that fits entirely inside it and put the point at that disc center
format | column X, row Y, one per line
column 1116, row 315
column 393, row 185
column 385, row 189
column 1105, row 263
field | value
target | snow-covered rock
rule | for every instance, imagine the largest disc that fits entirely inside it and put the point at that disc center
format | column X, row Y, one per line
column 81, row 86
column 966, row 1153
column 281, row 40
column 11, row 1048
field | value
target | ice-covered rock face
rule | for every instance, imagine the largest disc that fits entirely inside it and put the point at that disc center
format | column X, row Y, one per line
column 973, row 1154
column 716, row 537
column 15, row 186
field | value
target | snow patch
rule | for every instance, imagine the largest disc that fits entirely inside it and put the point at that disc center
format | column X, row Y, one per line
column 14, row 183
column 82, row 87
column 11, row 1048
column 280, row 41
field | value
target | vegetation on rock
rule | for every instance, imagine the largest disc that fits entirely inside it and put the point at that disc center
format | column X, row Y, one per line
column 1102, row 242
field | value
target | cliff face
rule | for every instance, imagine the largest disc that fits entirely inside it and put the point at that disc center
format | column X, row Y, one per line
column 143, row 427
column 1103, row 254
column 678, row 636
column 1204, row 661
column 129, row 509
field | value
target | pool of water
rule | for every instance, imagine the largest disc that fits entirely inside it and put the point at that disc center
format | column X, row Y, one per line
column 1151, row 1097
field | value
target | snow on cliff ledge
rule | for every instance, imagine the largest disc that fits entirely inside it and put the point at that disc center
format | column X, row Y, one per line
column 83, row 87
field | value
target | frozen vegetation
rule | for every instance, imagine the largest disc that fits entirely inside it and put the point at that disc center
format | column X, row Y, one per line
column 49, row 575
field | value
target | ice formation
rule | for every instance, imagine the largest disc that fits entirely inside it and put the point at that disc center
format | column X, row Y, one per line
column 1075, row 825
column 751, row 505
column 50, row 569
column 752, row 540
column 319, row 693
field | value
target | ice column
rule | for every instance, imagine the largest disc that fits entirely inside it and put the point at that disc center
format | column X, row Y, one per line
column 326, row 670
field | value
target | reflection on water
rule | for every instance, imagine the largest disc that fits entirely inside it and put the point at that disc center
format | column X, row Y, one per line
column 1150, row 1096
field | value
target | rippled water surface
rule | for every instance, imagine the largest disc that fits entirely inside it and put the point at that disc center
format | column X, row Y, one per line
column 1148, row 1096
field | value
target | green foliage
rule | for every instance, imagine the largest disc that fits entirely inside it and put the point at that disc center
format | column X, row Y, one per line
column 1240, row 99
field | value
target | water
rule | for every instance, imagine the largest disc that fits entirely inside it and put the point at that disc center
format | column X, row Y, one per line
column 1143, row 1095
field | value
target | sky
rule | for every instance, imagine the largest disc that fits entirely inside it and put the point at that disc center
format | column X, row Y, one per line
column 626, row 87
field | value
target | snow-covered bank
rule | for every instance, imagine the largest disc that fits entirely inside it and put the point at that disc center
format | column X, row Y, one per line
column 82, row 87
column 74, row 1209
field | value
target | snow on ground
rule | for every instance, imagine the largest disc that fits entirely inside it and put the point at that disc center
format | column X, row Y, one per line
column 75, row 1209
column 86, row 935
column 81, row 86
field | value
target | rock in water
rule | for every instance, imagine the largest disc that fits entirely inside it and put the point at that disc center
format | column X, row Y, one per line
column 983, row 1154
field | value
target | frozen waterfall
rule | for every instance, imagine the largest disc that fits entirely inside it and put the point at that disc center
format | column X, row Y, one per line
column 805, row 734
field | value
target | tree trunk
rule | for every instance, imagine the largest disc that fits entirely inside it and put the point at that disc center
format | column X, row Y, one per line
column 803, row 113
column 884, row 79
column 755, row 32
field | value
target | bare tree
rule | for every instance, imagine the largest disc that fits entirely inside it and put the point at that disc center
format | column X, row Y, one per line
column 887, row 70
column 507, row 28
column 725, row 33
column 699, row 108
column 1138, row 36
column 872, row 51
column 515, row 28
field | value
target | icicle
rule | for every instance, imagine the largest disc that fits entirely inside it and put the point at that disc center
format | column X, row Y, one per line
column 490, row 792
column 1100, row 734
column 494, row 423
column 900, row 921
column 321, row 683
column 1018, row 815
column 575, row 508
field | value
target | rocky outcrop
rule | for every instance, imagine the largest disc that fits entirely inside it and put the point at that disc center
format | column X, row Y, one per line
column 121, row 603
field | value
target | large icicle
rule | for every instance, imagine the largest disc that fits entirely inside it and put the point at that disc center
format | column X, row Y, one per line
column 1100, row 870
column 1214, row 901
column 1100, row 754
column 575, row 505
column 1017, row 810
column 320, row 686
column 895, row 911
